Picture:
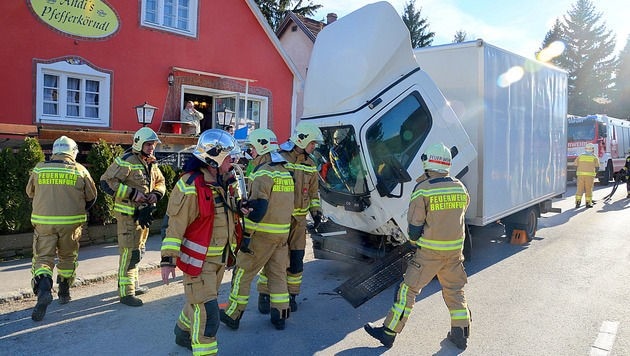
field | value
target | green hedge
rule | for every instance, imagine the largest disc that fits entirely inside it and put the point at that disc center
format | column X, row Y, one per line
column 16, row 207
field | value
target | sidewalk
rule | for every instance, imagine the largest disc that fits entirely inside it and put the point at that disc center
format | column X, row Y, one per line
column 96, row 263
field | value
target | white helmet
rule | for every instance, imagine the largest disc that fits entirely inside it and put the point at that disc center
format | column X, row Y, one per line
column 263, row 140
column 589, row 148
column 339, row 135
column 214, row 146
column 143, row 135
column 65, row 145
column 306, row 133
column 437, row 158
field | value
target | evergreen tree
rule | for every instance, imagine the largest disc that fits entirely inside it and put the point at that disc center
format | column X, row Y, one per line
column 275, row 10
column 418, row 27
column 555, row 35
column 588, row 57
column 460, row 36
column 620, row 106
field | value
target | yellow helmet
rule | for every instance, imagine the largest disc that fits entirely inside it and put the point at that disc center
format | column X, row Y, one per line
column 65, row 145
column 143, row 135
column 437, row 158
column 214, row 145
column 306, row 133
column 263, row 140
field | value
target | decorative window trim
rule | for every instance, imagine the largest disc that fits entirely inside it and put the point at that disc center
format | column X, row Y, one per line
column 74, row 68
column 193, row 15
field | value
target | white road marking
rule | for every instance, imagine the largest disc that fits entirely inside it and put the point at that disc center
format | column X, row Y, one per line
column 605, row 339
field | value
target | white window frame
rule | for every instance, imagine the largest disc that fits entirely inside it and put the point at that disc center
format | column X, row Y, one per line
column 193, row 11
column 65, row 70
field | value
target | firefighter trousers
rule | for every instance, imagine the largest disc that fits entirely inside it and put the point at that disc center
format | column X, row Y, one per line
column 200, row 315
column 131, row 241
column 426, row 264
column 270, row 252
column 297, row 244
column 56, row 241
column 584, row 186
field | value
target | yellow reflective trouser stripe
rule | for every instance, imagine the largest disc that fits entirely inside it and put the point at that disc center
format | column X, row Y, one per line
column 294, row 279
column 234, row 298
column 66, row 273
column 215, row 251
column 399, row 309
column 43, row 270
column 279, row 298
column 184, row 319
column 171, row 243
column 262, row 279
column 459, row 314
column 441, row 245
column 122, row 273
column 58, row 220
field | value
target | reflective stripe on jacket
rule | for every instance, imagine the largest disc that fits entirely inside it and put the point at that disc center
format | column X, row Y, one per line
column 587, row 165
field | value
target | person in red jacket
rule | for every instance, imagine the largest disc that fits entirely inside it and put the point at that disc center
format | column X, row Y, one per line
column 201, row 233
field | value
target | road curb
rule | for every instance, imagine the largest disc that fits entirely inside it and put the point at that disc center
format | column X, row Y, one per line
column 25, row 293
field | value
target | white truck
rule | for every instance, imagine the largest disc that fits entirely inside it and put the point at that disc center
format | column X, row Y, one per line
column 379, row 107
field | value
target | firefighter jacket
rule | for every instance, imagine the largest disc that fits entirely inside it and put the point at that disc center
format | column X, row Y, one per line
column 271, row 197
column 438, row 204
column 587, row 165
column 304, row 172
column 62, row 190
column 183, row 209
column 130, row 173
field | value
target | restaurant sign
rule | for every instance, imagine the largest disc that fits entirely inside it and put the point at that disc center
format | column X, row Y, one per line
column 81, row 18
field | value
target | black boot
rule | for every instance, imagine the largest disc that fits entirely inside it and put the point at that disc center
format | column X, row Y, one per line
column 64, row 290
column 43, row 287
column 131, row 301
column 182, row 338
column 293, row 303
column 228, row 321
column 264, row 303
column 278, row 317
column 459, row 337
column 381, row 333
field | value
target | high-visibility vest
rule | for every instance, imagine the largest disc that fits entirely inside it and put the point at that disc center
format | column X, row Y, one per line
column 198, row 234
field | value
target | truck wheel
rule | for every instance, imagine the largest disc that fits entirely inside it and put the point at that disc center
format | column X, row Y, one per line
column 605, row 178
column 531, row 223
column 523, row 220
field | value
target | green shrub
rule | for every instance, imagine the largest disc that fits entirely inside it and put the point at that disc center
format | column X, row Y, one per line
column 99, row 158
column 170, row 178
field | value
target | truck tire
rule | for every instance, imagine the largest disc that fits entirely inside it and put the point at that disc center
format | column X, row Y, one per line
column 607, row 175
column 523, row 220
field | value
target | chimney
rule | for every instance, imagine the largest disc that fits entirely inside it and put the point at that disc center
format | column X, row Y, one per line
column 330, row 18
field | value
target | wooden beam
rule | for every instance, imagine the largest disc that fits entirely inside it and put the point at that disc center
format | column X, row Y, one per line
column 18, row 130
column 112, row 137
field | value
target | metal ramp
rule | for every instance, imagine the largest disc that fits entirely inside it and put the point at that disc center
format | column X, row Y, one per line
column 377, row 276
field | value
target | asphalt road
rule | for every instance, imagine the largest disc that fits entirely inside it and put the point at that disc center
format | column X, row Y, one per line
column 565, row 293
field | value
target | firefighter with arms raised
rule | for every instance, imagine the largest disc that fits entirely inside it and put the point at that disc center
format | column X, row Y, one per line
column 436, row 228
column 297, row 152
column 136, row 183
column 62, row 190
column 201, row 234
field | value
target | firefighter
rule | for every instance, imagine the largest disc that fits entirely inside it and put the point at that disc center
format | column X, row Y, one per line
column 267, row 225
column 587, row 165
column 436, row 229
column 297, row 153
column 62, row 190
column 625, row 174
column 201, row 233
column 136, row 184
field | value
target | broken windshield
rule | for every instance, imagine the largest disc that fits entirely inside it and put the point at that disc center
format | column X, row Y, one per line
column 340, row 164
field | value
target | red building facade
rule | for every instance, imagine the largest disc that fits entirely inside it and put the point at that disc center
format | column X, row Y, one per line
column 85, row 64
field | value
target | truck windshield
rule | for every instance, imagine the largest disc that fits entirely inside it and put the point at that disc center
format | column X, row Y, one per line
column 341, row 169
column 582, row 131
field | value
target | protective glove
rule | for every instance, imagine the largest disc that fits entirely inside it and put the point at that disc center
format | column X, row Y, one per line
column 144, row 215
column 317, row 219
column 168, row 268
column 411, row 245
column 137, row 196
column 152, row 198
column 245, row 245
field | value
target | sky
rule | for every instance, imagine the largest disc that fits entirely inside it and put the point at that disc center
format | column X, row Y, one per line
column 518, row 26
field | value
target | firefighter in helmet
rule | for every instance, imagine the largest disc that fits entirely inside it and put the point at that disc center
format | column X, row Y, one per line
column 136, row 184
column 267, row 225
column 297, row 153
column 201, row 233
column 62, row 190
column 436, row 229
column 587, row 165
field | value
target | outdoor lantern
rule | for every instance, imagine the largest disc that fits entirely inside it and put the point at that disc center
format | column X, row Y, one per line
column 145, row 113
column 170, row 79
column 225, row 116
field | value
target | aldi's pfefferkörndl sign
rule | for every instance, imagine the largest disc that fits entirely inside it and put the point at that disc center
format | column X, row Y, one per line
column 80, row 18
